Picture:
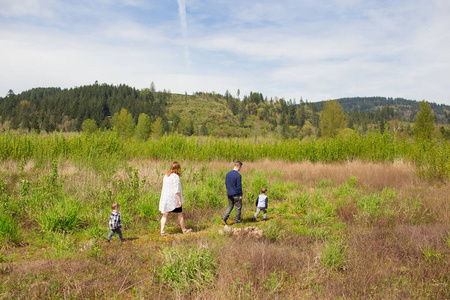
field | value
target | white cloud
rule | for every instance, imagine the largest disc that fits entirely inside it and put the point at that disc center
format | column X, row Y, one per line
column 26, row 8
column 184, row 32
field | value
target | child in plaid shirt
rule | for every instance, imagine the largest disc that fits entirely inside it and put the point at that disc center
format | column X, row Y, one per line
column 115, row 223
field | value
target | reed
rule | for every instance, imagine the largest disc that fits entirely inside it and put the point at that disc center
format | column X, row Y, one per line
column 106, row 149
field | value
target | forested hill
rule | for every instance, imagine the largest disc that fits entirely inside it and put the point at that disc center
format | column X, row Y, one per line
column 50, row 109
column 403, row 107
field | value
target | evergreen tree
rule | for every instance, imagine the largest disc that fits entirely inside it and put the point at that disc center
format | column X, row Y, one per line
column 204, row 129
column 189, row 128
column 292, row 114
column 301, row 114
column 175, row 121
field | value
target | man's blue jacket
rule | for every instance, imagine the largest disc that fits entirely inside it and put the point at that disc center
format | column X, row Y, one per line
column 233, row 183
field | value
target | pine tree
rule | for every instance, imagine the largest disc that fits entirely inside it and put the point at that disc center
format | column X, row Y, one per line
column 189, row 128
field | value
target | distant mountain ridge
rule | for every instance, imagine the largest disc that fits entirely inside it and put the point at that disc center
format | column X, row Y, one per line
column 403, row 107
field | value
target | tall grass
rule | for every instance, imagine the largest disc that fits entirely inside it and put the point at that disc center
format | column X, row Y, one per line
column 61, row 217
column 185, row 269
column 334, row 255
column 9, row 230
column 105, row 150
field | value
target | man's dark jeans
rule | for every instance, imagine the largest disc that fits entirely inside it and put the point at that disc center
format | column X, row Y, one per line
column 232, row 202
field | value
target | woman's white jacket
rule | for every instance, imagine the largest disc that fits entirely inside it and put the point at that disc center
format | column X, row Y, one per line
column 171, row 186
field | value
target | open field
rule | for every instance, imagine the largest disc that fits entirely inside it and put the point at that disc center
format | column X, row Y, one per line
column 347, row 230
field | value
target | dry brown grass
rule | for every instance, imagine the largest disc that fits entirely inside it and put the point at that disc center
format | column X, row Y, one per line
column 113, row 273
column 375, row 175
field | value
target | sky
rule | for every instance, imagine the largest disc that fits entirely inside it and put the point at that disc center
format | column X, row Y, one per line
column 293, row 49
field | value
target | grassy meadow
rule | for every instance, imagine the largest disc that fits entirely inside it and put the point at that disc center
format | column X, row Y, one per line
column 349, row 218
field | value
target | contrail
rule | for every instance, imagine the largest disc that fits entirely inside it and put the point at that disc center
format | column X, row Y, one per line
column 183, row 22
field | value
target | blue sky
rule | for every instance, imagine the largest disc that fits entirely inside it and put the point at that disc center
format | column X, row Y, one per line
column 313, row 49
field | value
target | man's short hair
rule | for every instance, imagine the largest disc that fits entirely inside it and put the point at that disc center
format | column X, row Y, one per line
column 237, row 163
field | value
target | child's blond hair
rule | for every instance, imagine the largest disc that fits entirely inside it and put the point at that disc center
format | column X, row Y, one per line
column 115, row 205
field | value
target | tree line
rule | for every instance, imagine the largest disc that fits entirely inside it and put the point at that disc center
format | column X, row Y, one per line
column 147, row 112
column 51, row 109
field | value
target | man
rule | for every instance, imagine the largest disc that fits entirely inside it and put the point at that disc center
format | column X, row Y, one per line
column 233, row 182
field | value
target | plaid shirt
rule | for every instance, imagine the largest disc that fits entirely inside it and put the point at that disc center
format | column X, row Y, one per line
column 114, row 220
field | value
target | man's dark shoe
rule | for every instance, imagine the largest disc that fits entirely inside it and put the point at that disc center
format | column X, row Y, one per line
column 253, row 219
column 264, row 219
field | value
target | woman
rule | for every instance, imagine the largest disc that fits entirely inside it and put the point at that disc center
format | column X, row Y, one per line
column 172, row 197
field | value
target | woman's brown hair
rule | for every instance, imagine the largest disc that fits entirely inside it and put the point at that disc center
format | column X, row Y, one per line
column 175, row 168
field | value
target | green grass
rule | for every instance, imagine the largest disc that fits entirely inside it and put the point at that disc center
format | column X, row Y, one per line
column 334, row 255
column 9, row 230
column 325, row 238
column 105, row 151
column 64, row 216
column 185, row 268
